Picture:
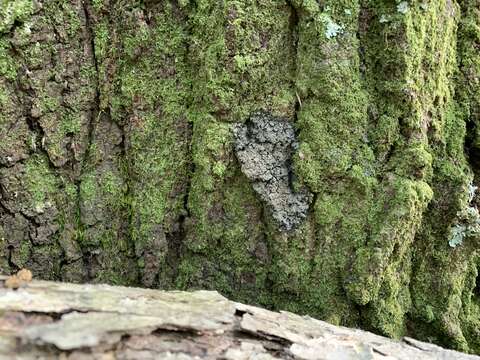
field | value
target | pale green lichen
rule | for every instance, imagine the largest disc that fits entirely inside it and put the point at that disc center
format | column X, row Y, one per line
column 384, row 19
column 403, row 7
column 332, row 29
column 468, row 221
column 457, row 234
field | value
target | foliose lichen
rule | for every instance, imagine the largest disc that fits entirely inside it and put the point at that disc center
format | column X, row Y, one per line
column 264, row 146
column 468, row 221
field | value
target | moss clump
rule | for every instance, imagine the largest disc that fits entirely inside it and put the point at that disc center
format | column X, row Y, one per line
column 40, row 181
column 240, row 64
column 15, row 10
column 149, row 101
column 333, row 105
column 447, row 301
column 8, row 66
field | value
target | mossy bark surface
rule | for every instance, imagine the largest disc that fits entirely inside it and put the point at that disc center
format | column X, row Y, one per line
column 119, row 160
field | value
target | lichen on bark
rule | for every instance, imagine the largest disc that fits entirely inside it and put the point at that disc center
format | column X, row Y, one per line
column 264, row 146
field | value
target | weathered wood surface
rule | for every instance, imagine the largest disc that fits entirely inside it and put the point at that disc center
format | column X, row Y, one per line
column 48, row 320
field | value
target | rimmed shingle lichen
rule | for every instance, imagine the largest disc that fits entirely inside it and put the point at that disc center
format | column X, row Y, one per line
column 264, row 146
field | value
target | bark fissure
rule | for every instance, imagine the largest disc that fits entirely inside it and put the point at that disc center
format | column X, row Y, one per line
column 95, row 111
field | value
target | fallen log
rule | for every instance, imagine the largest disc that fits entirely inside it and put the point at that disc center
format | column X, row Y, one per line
column 49, row 320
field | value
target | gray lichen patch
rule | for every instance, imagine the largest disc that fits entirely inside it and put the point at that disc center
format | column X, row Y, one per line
column 264, row 146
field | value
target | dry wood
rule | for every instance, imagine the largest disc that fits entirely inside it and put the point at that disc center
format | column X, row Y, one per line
column 52, row 320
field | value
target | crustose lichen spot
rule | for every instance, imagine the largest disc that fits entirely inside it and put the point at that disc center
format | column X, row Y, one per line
column 264, row 146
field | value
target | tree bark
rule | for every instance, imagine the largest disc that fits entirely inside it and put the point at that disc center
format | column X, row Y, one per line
column 140, row 145
column 68, row 321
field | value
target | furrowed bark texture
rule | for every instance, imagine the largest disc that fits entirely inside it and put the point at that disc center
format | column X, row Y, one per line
column 48, row 320
column 119, row 123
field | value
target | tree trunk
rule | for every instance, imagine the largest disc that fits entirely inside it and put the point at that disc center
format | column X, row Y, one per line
column 314, row 156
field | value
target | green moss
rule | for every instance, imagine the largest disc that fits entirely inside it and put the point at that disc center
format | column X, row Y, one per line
column 34, row 54
column 329, row 86
column 4, row 264
column 103, row 52
column 72, row 19
column 468, row 88
column 14, row 10
column 437, row 298
column 40, row 186
column 8, row 66
column 88, row 188
column 389, row 154
column 414, row 157
column 45, row 261
column 103, row 205
column 41, row 183
column 148, row 103
column 333, row 105
column 102, row 41
column 393, row 229
column 240, row 64
column 258, row 76
column 98, row 5
column 4, row 96
column 70, row 190
column 22, row 254
column 229, row 256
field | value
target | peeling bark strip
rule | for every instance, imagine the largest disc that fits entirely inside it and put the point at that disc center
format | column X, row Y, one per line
column 120, row 162
column 67, row 321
